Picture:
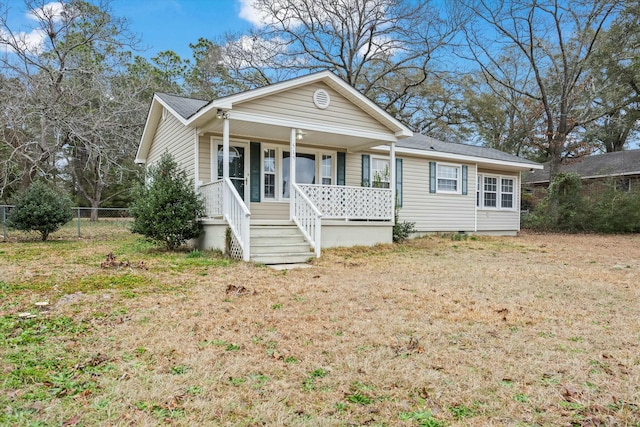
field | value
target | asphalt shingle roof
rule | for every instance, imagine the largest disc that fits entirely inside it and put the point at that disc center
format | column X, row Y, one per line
column 608, row 164
column 186, row 107
column 426, row 143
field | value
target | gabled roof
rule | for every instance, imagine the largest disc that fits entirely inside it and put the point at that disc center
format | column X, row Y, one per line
column 196, row 113
column 327, row 77
column 619, row 163
column 184, row 107
column 427, row 146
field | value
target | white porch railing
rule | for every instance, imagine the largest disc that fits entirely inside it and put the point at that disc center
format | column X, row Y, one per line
column 212, row 195
column 362, row 203
column 239, row 218
column 308, row 218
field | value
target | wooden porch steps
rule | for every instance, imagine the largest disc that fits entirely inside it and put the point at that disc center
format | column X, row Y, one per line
column 278, row 242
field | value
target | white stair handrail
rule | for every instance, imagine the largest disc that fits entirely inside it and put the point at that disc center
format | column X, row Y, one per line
column 237, row 214
column 308, row 218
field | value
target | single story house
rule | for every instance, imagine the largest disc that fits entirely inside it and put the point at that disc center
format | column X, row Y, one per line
column 621, row 168
column 311, row 163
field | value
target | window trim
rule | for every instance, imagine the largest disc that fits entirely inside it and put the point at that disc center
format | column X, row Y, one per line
column 458, row 167
column 480, row 192
column 373, row 157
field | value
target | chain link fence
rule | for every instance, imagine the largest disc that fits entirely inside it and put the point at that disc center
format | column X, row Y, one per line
column 85, row 220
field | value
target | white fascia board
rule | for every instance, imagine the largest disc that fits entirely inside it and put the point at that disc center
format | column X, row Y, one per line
column 267, row 120
column 150, row 126
column 462, row 158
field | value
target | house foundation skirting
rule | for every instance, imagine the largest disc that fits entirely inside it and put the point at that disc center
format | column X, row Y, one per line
column 335, row 233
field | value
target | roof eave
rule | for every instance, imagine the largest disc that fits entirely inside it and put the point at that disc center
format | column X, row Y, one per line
column 464, row 158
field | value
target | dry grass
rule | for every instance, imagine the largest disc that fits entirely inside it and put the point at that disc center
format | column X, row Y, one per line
column 533, row 330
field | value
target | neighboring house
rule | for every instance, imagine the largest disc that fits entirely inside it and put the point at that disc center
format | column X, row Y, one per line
column 311, row 163
column 621, row 168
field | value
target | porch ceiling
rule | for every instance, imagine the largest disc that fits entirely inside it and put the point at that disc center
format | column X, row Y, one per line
column 260, row 132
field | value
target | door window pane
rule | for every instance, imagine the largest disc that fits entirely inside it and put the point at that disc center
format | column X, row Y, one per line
column 305, row 170
column 236, row 167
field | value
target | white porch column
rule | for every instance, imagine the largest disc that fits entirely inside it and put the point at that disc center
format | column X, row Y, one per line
column 292, row 171
column 225, row 162
column 196, row 166
column 392, row 178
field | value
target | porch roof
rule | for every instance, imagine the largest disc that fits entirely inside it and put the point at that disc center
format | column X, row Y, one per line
column 267, row 125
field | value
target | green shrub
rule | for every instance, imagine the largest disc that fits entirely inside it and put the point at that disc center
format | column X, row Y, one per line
column 167, row 209
column 402, row 230
column 41, row 209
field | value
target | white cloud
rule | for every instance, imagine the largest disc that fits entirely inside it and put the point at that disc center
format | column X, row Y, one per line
column 248, row 12
column 48, row 11
column 32, row 41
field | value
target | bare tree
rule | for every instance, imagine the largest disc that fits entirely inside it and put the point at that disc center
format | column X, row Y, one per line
column 67, row 86
column 557, row 40
column 384, row 48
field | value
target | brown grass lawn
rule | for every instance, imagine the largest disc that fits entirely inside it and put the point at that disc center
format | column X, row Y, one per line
column 536, row 330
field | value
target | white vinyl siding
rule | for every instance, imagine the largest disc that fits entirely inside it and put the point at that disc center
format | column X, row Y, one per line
column 178, row 140
column 298, row 104
column 433, row 212
column 204, row 160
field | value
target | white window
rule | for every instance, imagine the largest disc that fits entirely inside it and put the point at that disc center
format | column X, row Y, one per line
column 506, row 193
column 490, row 192
column 269, row 171
column 448, row 179
column 496, row 192
column 380, row 172
column 326, row 169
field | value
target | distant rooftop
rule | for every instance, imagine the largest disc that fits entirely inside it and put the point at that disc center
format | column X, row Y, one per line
column 619, row 163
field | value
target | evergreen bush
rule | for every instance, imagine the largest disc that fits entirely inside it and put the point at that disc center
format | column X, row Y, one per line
column 166, row 210
column 41, row 209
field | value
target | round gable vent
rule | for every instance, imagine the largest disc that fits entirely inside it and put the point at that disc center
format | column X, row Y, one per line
column 321, row 99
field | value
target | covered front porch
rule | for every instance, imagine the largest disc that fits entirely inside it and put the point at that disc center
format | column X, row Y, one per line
column 261, row 184
column 293, row 154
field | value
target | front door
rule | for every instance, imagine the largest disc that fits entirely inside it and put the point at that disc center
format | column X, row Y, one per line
column 237, row 168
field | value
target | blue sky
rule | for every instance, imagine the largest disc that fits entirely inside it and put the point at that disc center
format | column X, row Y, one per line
column 173, row 24
column 166, row 24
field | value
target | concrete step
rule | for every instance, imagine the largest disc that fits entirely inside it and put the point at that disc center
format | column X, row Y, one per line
column 275, row 230
column 282, row 258
column 273, row 247
column 277, row 240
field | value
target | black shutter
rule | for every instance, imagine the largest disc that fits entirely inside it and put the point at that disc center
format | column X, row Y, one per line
column 399, row 183
column 432, row 177
column 366, row 171
column 254, row 171
column 341, row 172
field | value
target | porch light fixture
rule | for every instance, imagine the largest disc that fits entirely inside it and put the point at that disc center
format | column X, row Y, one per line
column 299, row 135
column 221, row 114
